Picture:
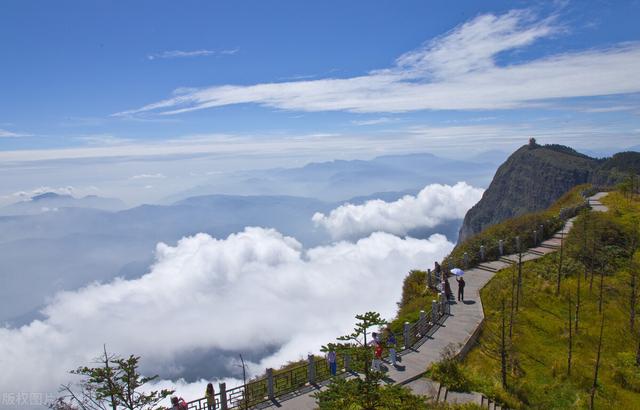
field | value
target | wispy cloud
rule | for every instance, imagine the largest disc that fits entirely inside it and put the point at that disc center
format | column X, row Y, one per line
column 456, row 71
column 12, row 134
column 373, row 121
column 614, row 108
column 104, row 140
column 191, row 53
column 149, row 176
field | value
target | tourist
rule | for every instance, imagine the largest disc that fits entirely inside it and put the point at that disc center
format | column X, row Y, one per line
column 461, row 284
column 391, row 343
column 331, row 359
column 447, row 289
column 377, row 357
column 178, row 403
column 375, row 338
column 210, row 395
column 438, row 271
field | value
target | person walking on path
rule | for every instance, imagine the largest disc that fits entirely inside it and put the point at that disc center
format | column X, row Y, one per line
column 210, row 395
column 331, row 360
column 391, row 343
column 461, row 284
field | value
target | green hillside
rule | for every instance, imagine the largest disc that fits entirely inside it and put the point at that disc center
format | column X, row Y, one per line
column 601, row 258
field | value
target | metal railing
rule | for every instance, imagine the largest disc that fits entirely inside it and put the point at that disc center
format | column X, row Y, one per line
column 316, row 370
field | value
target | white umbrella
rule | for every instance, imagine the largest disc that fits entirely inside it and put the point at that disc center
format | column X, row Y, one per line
column 457, row 271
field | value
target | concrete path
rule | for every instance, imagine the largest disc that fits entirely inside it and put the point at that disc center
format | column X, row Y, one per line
column 465, row 317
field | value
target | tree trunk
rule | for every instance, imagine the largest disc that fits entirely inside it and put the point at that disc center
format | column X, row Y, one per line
column 570, row 341
column 513, row 287
column 591, row 264
column 601, row 289
column 560, row 263
column 503, row 351
column 519, row 285
column 114, row 403
column 595, row 375
column 578, row 303
column 634, row 295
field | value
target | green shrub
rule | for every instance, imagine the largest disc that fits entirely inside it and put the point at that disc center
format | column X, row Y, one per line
column 626, row 373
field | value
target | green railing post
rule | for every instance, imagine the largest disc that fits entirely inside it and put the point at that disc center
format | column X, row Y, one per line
column 405, row 333
column 223, row 396
column 270, row 389
column 434, row 312
column 501, row 247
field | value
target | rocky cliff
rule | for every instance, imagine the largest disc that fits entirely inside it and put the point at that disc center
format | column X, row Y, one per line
column 535, row 176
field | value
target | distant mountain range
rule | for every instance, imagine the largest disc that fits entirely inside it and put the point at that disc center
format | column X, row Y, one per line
column 338, row 180
column 57, row 242
column 52, row 202
column 534, row 176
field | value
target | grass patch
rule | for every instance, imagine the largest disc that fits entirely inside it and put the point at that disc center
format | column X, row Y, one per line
column 602, row 248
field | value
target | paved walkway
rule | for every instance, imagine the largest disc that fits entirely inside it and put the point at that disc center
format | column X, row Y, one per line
column 465, row 317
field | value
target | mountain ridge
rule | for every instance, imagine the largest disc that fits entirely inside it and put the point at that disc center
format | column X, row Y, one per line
column 534, row 176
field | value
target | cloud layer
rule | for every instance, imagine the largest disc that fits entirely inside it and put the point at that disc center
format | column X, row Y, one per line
column 432, row 206
column 456, row 71
column 256, row 292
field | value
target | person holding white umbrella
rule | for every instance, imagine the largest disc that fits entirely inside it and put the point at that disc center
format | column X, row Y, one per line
column 459, row 273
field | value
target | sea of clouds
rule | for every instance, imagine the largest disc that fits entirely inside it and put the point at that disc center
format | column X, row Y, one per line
column 205, row 300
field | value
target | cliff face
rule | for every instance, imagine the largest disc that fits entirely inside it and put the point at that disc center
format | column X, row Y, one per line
column 535, row 176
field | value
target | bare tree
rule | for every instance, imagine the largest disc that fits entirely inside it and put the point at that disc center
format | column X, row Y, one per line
column 519, row 286
column 601, row 297
column 595, row 373
column 511, row 315
column 560, row 261
column 570, row 341
column 503, row 350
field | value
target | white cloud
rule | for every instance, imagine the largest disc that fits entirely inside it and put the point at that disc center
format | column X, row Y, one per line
column 104, row 140
column 373, row 121
column 11, row 134
column 192, row 53
column 252, row 290
column 26, row 195
column 456, row 71
column 149, row 176
column 432, row 206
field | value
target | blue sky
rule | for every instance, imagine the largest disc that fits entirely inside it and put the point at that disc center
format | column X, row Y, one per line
column 95, row 80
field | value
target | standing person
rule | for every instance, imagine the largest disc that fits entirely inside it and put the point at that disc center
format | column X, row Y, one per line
column 210, row 395
column 447, row 289
column 331, row 359
column 438, row 271
column 461, row 284
column 391, row 343
column 377, row 356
